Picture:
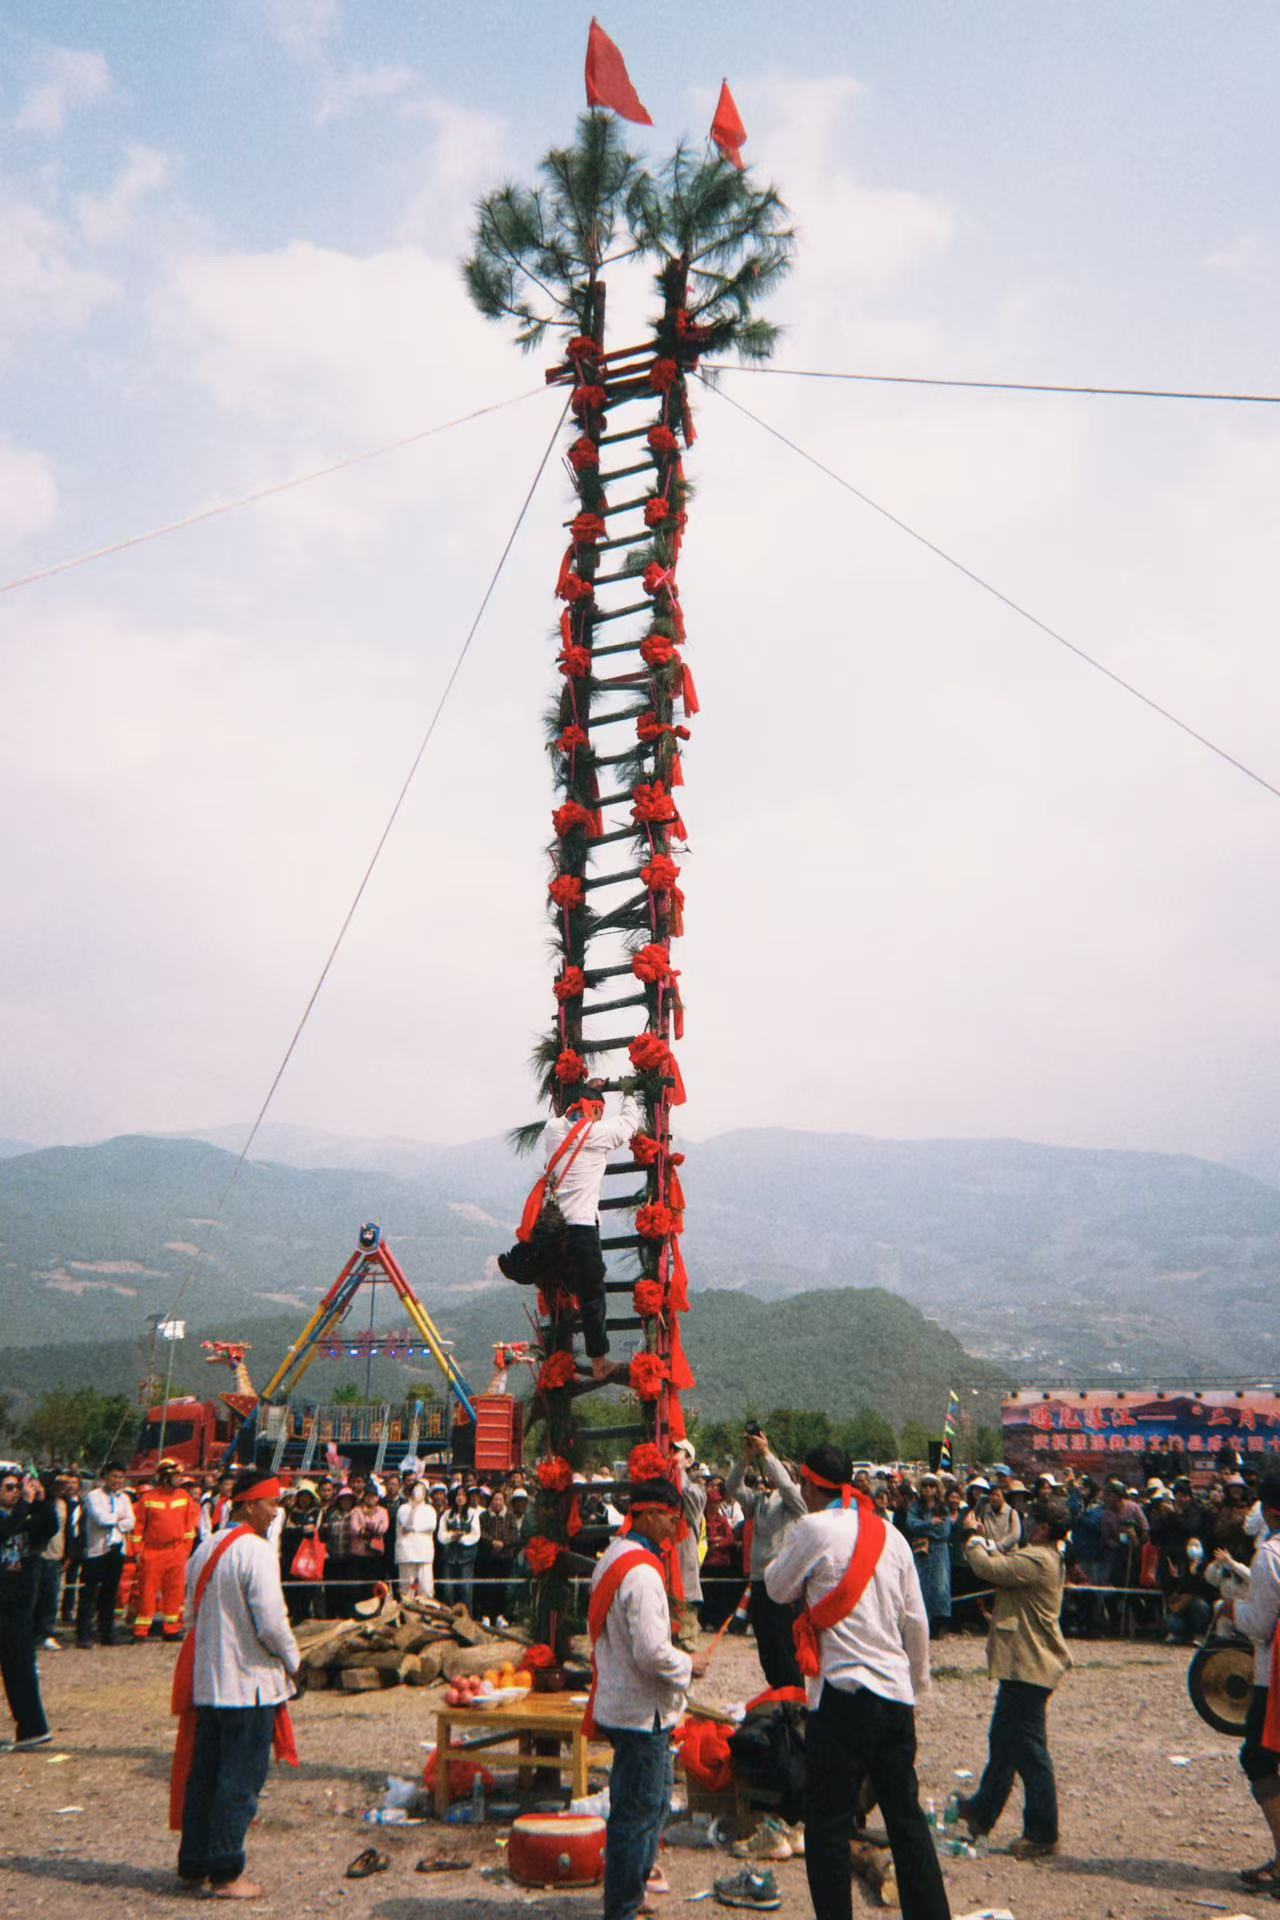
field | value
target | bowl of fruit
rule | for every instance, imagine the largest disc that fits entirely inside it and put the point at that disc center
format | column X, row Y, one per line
column 499, row 1687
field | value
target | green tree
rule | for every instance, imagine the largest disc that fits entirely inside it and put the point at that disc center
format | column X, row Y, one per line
column 6, row 1413
column 793, row 1431
column 915, row 1440
column 988, row 1444
column 348, row 1395
column 868, row 1436
column 78, row 1424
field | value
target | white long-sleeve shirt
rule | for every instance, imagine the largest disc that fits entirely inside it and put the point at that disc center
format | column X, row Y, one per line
column 578, row 1189
column 883, row 1645
column 107, row 1519
column 416, row 1533
column 1258, row 1613
column 459, row 1529
column 245, row 1649
column 640, row 1672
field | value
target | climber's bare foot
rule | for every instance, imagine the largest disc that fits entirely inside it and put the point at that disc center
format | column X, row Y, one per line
column 601, row 1368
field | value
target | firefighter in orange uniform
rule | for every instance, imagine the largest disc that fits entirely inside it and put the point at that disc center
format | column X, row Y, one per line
column 168, row 1521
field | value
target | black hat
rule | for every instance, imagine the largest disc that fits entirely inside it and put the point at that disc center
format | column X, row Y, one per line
column 654, row 1493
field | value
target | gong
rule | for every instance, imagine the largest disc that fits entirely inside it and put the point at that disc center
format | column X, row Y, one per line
column 1220, row 1682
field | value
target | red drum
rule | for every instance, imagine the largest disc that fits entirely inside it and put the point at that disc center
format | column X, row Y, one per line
column 556, row 1850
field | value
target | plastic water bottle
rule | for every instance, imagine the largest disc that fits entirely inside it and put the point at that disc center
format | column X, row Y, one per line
column 931, row 1812
column 980, row 1846
column 951, row 1812
column 386, row 1817
column 477, row 1801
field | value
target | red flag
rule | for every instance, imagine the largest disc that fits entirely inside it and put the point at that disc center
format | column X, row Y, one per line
column 609, row 83
column 727, row 129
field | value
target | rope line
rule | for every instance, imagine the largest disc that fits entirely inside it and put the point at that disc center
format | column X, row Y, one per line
column 998, row 386
column 1006, row 600
column 383, row 837
column 261, row 493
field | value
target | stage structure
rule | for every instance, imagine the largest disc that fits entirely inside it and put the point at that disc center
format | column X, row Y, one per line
column 617, row 723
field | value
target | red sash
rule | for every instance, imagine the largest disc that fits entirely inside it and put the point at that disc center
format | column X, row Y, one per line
column 575, row 1138
column 1271, row 1725
column 183, row 1704
column 842, row 1599
column 603, row 1595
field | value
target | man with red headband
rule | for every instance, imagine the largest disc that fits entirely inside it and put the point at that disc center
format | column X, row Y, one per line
column 230, row 1686
column 862, row 1642
column 639, row 1682
column 578, row 1145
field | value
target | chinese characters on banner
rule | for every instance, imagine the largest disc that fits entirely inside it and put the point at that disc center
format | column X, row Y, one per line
column 1092, row 1428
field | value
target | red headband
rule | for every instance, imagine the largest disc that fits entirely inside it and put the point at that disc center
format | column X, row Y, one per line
column 653, row 1506
column 268, row 1489
column 842, row 1487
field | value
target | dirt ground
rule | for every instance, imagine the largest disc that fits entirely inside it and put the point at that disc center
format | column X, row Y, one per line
column 84, row 1822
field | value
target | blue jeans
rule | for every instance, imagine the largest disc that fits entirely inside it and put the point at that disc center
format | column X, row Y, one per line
column 640, row 1782
column 1018, row 1743
column 228, row 1768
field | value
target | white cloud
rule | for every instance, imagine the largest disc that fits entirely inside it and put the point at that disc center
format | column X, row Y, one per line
column 74, row 78
column 1245, row 251
column 302, row 26
column 362, row 86
column 28, row 492
column 41, row 285
column 107, row 217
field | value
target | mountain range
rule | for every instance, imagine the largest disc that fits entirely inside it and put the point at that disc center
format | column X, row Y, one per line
column 1040, row 1260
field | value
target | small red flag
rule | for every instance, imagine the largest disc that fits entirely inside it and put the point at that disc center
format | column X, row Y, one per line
column 727, row 129
column 609, row 83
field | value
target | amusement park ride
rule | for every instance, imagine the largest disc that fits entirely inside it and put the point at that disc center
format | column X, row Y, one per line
column 279, row 1430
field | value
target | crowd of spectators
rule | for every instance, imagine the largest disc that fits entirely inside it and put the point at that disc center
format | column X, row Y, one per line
column 1140, row 1558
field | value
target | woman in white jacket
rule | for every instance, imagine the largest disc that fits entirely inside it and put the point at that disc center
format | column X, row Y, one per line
column 459, row 1535
column 416, row 1543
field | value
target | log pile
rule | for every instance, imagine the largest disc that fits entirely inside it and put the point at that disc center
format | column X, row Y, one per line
column 409, row 1642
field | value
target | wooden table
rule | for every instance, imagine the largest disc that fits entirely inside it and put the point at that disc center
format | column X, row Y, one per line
column 547, row 1717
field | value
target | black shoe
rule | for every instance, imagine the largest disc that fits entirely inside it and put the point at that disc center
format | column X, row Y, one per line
column 965, row 1811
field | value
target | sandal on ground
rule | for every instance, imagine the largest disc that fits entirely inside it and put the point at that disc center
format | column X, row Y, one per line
column 440, row 1863
column 1266, row 1877
column 367, row 1863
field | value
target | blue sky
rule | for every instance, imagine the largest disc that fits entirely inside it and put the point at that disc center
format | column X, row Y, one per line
column 228, row 244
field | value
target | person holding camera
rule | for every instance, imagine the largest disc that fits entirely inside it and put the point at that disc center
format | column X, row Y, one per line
column 770, row 1507
column 1027, row 1656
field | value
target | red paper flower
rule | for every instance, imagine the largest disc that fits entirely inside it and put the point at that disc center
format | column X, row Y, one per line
column 583, row 455
column 663, row 375
column 649, row 1053
column 570, row 1068
column 655, row 578
column 645, row 1150
column 648, row 1372
column 653, row 803
column 648, row 1462
column 657, row 1221
column 566, row 891
column 556, row 1475
column 570, row 984
column 574, row 662
column 662, row 440
column 689, row 330
column 583, row 347
column 657, row 510
column 572, row 814
column 648, row 1298
column 656, row 650
column 535, row 1658
column 661, row 873
column 572, row 737
column 653, row 964
column 557, row 1370
column 588, row 399
column 648, row 726
column 542, row 1553
column 586, row 528
column 572, row 587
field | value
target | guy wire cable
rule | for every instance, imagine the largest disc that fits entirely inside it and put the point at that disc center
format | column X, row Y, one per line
column 260, row 493
column 1006, row 600
column 997, row 386
column 381, row 843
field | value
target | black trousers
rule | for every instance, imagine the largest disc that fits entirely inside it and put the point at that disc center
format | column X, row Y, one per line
column 850, row 1738
column 1018, row 1747
column 771, row 1622
column 18, row 1667
column 583, row 1275
column 228, row 1768
column 99, row 1585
